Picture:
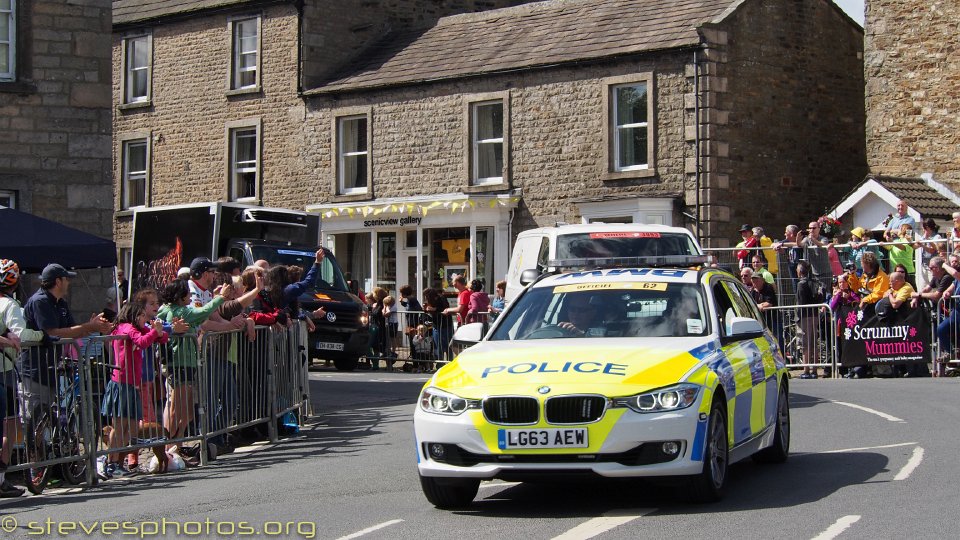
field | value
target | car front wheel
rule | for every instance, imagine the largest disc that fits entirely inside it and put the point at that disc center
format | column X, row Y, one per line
column 449, row 492
column 708, row 485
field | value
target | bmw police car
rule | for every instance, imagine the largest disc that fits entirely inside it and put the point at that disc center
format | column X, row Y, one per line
column 639, row 371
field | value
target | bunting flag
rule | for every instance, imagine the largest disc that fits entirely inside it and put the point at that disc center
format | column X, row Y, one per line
column 416, row 208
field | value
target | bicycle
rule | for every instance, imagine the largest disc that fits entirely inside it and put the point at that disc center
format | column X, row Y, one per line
column 57, row 432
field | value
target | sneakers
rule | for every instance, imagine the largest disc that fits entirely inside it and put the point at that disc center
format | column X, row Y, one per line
column 104, row 469
column 9, row 491
column 808, row 376
column 120, row 471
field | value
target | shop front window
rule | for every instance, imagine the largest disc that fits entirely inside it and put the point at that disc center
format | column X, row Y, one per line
column 353, row 254
column 387, row 261
column 449, row 255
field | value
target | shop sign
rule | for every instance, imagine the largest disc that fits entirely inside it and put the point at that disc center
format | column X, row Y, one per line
column 393, row 222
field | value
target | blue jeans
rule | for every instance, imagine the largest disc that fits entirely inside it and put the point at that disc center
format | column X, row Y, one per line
column 945, row 331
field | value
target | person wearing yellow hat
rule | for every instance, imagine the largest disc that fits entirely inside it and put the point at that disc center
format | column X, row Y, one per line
column 861, row 242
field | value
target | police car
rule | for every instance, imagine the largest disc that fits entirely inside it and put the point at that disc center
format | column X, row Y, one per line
column 653, row 369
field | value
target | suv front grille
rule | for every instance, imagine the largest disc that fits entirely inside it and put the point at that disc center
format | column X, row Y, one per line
column 575, row 409
column 511, row 410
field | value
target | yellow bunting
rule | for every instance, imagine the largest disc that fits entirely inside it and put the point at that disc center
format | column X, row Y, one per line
column 350, row 212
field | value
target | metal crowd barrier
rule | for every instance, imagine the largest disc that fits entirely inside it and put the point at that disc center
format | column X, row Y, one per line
column 188, row 392
column 945, row 332
column 399, row 342
column 807, row 335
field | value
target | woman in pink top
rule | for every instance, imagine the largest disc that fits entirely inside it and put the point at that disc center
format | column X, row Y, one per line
column 479, row 304
column 121, row 399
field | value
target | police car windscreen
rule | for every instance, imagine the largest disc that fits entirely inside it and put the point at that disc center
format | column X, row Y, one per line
column 623, row 244
column 600, row 310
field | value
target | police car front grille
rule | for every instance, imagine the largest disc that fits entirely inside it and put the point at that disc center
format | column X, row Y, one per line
column 575, row 409
column 511, row 410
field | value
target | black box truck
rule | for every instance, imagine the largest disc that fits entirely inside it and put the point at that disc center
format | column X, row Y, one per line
column 166, row 238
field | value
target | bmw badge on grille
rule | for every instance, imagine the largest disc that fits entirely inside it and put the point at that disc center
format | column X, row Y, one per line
column 544, row 389
column 331, row 316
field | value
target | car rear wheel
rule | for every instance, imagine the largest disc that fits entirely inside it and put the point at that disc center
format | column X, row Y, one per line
column 780, row 448
column 346, row 364
column 449, row 492
column 708, row 485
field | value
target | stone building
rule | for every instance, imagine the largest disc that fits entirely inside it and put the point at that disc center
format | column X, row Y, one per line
column 427, row 139
column 913, row 89
column 55, row 119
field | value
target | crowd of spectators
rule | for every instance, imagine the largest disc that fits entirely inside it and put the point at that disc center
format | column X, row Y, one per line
column 879, row 272
column 155, row 347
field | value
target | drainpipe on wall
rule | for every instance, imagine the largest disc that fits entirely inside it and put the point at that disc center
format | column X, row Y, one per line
column 696, row 139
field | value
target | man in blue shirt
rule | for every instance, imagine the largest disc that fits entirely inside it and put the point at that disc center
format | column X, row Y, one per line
column 893, row 228
column 47, row 311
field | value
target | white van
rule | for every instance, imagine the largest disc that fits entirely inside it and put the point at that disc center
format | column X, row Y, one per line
column 537, row 246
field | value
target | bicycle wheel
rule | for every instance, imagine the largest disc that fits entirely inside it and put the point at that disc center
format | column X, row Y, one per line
column 71, row 444
column 39, row 449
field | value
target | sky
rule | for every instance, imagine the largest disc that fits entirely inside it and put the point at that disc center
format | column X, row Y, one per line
column 854, row 8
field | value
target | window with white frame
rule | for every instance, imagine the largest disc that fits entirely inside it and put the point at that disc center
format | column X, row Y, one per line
column 8, row 40
column 8, row 198
column 246, row 54
column 135, row 173
column 244, row 163
column 352, row 152
column 487, row 142
column 631, row 134
column 137, row 69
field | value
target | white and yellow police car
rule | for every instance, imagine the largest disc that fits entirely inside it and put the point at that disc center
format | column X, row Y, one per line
column 645, row 371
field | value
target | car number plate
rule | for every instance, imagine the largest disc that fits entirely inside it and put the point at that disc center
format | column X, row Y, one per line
column 542, row 438
column 327, row 346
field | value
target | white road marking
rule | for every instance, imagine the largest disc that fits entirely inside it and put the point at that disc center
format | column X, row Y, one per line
column 376, row 527
column 862, row 448
column 600, row 525
column 912, row 464
column 883, row 415
column 834, row 530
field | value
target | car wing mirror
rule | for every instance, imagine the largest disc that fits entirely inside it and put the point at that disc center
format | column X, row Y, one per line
column 743, row 327
column 529, row 276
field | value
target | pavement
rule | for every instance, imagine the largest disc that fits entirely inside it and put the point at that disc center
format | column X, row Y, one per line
column 872, row 458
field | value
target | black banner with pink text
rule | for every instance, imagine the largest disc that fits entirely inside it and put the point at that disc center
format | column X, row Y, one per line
column 902, row 338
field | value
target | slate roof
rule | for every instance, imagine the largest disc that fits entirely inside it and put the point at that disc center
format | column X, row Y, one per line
column 130, row 11
column 531, row 35
column 919, row 195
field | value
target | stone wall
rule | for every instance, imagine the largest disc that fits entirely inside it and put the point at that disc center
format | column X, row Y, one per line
column 557, row 125
column 784, row 108
column 334, row 33
column 190, row 110
column 913, row 89
column 55, row 123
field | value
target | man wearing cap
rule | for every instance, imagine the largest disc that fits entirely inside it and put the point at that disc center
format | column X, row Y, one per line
column 749, row 241
column 47, row 311
column 766, row 297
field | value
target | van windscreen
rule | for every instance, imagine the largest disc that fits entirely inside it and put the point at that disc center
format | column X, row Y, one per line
column 624, row 244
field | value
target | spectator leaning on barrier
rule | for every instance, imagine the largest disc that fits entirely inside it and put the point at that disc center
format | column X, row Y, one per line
column 953, row 239
column 898, row 220
column 925, row 249
column 182, row 366
column 749, row 241
column 860, row 243
column 756, row 261
column 479, row 303
column 13, row 331
column 939, row 282
column 746, row 275
column 809, row 318
column 499, row 301
column 901, row 248
column 874, row 282
column 769, row 254
column 793, row 253
column 47, row 311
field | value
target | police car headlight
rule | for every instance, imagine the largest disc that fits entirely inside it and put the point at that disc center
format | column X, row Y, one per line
column 437, row 401
column 665, row 399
